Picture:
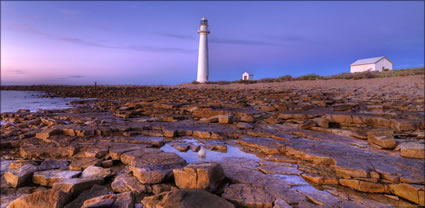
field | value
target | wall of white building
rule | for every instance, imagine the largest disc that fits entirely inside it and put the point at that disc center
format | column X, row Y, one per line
column 362, row 68
column 384, row 63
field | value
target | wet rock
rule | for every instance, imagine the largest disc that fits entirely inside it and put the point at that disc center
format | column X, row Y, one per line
column 48, row 177
column 95, row 191
column 95, row 171
column 180, row 147
column 281, row 204
column 49, row 198
column 412, row 150
column 76, row 185
column 202, row 134
column 381, row 137
column 185, row 198
column 20, row 176
column 208, row 176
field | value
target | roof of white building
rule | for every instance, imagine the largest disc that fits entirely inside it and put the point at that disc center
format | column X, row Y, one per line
column 369, row 60
column 248, row 73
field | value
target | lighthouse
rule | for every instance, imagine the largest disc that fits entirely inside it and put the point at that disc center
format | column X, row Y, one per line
column 203, row 51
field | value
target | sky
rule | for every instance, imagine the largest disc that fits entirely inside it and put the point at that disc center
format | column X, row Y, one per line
column 150, row 43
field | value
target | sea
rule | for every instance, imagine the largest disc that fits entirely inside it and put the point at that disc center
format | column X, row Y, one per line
column 11, row 101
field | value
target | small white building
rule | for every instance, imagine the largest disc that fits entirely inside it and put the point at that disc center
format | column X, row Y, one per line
column 372, row 64
column 247, row 76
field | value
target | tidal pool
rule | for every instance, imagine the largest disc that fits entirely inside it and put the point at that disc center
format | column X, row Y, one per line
column 192, row 157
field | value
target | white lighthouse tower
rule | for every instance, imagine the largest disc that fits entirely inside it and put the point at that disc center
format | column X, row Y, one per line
column 203, row 51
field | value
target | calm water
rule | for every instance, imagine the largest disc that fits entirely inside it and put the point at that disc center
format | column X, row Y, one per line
column 192, row 157
column 11, row 101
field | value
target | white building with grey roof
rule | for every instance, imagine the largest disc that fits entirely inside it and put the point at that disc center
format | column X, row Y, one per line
column 372, row 64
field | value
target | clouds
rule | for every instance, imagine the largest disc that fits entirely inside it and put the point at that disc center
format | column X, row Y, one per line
column 16, row 71
column 99, row 44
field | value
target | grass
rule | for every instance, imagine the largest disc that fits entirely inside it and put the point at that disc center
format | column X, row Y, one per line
column 355, row 76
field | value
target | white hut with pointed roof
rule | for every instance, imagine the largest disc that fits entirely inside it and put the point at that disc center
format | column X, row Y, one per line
column 247, row 76
column 372, row 64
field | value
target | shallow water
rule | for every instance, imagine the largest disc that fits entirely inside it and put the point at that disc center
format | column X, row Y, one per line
column 192, row 157
column 11, row 101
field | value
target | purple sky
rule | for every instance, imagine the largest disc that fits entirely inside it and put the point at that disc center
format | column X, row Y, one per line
column 77, row 42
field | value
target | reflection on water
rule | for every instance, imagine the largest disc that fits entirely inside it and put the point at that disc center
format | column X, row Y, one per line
column 11, row 101
column 193, row 157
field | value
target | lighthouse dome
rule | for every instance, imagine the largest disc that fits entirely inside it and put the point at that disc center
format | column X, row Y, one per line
column 204, row 21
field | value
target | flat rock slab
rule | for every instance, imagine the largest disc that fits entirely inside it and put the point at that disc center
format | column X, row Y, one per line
column 97, row 172
column 184, row 198
column 82, row 163
column 76, row 185
column 20, row 176
column 125, row 182
column 280, row 170
column 48, row 177
column 123, row 200
column 154, row 141
column 413, row 150
column 244, row 195
column 265, row 145
column 95, row 191
column 49, row 198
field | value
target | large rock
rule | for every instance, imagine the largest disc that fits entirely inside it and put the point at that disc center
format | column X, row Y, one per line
column 125, row 182
column 76, row 185
column 95, row 191
column 208, row 176
column 411, row 192
column 123, row 200
column 50, row 198
column 95, row 171
column 186, row 198
column 151, row 174
column 53, row 164
column 48, row 177
column 20, row 176
column 246, row 195
column 381, row 137
column 153, row 167
column 45, row 134
column 82, row 163
column 413, row 150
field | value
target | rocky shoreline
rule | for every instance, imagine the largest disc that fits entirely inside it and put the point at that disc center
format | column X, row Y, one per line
column 303, row 144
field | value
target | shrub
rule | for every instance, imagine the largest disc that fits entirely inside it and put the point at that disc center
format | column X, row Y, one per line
column 195, row 82
column 285, row 78
column 309, row 77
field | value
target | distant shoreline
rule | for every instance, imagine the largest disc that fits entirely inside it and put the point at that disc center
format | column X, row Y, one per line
column 121, row 91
